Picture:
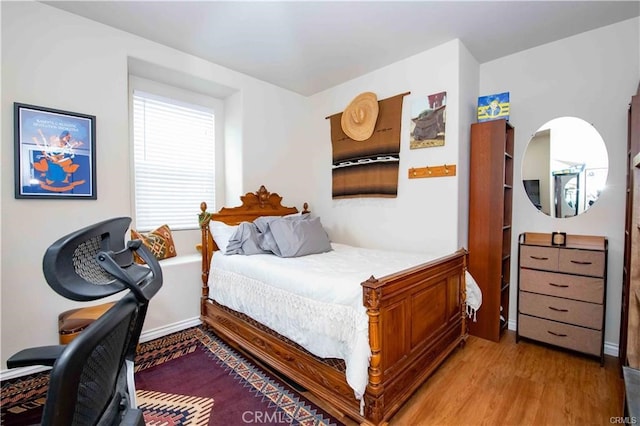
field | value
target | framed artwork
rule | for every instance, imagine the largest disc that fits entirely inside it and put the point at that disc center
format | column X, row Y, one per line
column 559, row 238
column 428, row 118
column 55, row 153
column 493, row 107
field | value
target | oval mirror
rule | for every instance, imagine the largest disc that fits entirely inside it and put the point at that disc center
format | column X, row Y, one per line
column 565, row 166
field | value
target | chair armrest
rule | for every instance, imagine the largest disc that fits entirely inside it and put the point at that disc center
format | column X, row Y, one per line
column 43, row 355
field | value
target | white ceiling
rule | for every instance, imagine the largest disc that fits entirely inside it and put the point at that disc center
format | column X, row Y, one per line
column 310, row 46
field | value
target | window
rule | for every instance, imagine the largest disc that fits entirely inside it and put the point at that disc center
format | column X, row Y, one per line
column 174, row 158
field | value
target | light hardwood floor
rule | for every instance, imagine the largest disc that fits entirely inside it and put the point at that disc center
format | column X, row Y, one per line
column 487, row 383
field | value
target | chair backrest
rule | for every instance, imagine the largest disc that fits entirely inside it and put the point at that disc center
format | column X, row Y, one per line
column 89, row 381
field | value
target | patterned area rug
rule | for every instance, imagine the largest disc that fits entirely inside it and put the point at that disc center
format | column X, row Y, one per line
column 187, row 378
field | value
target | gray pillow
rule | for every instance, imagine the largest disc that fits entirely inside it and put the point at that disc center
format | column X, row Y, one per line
column 296, row 238
column 245, row 240
column 266, row 240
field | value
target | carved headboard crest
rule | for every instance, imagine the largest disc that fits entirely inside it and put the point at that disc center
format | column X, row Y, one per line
column 260, row 199
column 254, row 204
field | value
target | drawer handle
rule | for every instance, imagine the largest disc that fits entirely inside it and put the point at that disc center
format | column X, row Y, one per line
column 557, row 334
column 577, row 262
column 559, row 285
column 539, row 258
column 558, row 309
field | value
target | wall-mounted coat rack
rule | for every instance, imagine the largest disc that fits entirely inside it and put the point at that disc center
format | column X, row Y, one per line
column 432, row 171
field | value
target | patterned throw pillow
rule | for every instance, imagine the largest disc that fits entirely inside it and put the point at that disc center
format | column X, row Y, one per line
column 159, row 242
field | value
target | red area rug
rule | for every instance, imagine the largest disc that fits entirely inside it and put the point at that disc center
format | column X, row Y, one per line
column 187, row 378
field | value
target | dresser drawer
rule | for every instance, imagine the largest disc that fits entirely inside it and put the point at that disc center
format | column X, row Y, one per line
column 539, row 257
column 583, row 262
column 559, row 334
column 587, row 289
column 568, row 311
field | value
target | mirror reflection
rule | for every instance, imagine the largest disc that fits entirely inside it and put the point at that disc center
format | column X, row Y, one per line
column 565, row 166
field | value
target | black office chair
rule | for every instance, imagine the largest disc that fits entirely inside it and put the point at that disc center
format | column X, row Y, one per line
column 91, row 381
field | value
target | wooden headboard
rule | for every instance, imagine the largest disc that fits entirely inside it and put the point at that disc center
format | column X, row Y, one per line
column 254, row 204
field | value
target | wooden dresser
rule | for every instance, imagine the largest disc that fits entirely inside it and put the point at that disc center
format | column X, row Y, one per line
column 562, row 291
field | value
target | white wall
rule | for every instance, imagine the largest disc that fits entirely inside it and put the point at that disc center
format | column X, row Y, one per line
column 82, row 66
column 469, row 71
column 591, row 76
column 426, row 212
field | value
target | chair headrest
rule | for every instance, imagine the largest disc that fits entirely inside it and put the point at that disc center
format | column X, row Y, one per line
column 94, row 262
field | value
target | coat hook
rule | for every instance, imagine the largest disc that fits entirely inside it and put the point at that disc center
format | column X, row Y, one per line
column 446, row 169
column 428, row 170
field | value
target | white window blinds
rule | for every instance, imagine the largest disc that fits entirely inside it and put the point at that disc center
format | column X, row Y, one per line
column 174, row 153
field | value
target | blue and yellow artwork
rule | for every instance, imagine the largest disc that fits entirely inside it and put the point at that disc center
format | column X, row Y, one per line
column 54, row 153
column 493, row 107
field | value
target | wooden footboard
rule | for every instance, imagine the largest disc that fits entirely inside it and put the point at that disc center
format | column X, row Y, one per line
column 416, row 319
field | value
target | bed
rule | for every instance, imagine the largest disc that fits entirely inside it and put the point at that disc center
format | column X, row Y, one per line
column 413, row 317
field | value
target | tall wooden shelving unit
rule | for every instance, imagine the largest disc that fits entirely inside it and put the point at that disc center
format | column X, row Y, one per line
column 490, row 212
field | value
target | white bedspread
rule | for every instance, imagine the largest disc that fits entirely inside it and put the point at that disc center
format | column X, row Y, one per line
column 314, row 300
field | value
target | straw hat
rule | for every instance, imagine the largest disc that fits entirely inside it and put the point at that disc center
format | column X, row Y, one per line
column 359, row 117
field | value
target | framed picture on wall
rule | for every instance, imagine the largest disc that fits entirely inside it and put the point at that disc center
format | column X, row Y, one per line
column 55, row 153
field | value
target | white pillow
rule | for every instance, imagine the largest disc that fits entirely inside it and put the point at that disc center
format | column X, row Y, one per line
column 221, row 233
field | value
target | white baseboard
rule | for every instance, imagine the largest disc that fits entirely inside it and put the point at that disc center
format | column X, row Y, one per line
column 168, row 329
column 22, row 371
column 144, row 337
column 611, row 349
